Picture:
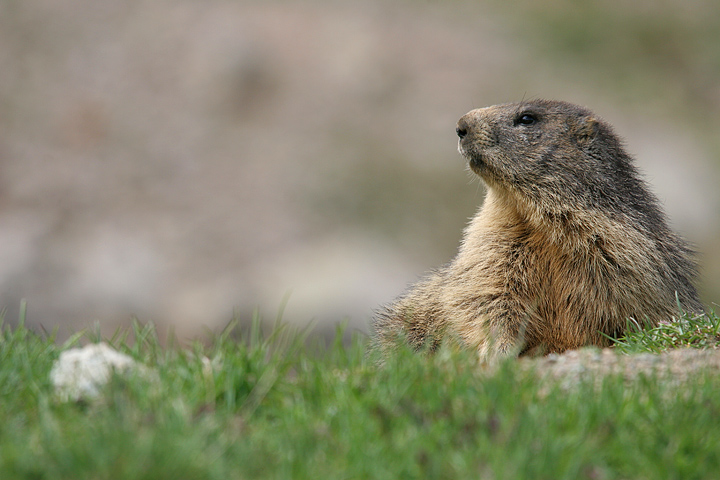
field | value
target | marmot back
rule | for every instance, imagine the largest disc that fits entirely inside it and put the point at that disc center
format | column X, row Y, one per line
column 568, row 245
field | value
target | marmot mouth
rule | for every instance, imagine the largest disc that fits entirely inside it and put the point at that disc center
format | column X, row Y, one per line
column 476, row 162
column 474, row 158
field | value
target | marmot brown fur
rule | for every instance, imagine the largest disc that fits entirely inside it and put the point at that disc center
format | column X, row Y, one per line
column 568, row 245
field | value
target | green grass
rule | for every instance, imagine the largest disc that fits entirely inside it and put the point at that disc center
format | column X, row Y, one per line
column 691, row 331
column 247, row 405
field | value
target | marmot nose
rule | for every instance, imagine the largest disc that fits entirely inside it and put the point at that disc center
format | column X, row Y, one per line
column 462, row 128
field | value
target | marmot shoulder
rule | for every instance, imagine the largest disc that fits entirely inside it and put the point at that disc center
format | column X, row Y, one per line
column 568, row 245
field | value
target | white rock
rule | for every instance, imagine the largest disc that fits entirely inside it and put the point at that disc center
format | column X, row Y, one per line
column 81, row 372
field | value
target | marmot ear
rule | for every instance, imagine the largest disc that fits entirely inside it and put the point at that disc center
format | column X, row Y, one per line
column 587, row 129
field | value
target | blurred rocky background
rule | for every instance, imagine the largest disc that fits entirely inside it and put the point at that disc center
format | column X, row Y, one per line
column 186, row 161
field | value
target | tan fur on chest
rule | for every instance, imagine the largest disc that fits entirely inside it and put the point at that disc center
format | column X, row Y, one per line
column 566, row 280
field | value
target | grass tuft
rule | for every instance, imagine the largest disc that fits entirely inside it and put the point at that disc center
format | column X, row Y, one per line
column 690, row 331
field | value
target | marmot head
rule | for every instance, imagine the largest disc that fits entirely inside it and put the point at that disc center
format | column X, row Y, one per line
column 559, row 156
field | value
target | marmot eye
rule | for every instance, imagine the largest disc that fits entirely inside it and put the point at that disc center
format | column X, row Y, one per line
column 526, row 119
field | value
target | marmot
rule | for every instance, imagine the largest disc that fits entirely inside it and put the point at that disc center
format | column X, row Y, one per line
column 568, row 245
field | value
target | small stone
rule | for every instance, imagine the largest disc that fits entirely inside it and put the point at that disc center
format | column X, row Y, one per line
column 80, row 373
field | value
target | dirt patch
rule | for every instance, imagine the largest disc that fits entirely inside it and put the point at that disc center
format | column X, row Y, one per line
column 592, row 364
